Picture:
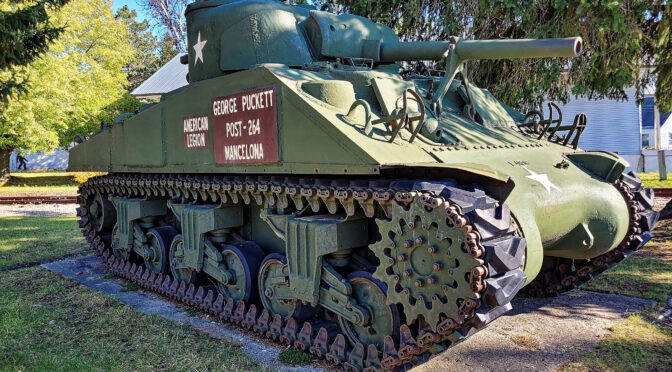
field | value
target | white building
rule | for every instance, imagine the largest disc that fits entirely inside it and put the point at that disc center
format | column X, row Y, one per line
column 611, row 125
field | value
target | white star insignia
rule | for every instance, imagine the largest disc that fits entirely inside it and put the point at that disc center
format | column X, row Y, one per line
column 199, row 49
column 542, row 179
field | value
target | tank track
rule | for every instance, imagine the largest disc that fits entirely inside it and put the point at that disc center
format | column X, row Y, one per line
column 492, row 240
column 562, row 274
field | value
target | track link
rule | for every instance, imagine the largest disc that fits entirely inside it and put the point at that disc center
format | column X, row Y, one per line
column 499, row 253
column 562, row 274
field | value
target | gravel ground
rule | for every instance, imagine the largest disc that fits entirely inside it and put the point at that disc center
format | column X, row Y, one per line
column 41, row 210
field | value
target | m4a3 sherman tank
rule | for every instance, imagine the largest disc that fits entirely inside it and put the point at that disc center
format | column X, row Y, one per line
column 300, row 187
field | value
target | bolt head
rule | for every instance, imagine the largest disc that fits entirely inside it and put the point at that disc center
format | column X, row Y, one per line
column 420, row 240
column 403, row 257
column 408, row 273
column 408, row 244
column 411, row 225
column 396, row 278
column 391, row 261
column 433, row 249
column 419, row 283
column 268, row 292
column 432, row 279
column 437, row 266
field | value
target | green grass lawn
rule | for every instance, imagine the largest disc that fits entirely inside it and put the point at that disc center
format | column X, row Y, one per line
column 92, row 331
column 43, row 183
column 58, row 190
column 48, row 323
column 641, row 342
column 652, row 179
column 25, row 240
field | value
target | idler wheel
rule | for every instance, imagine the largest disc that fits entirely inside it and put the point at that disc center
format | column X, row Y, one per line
column 176, row 254
column 243, row 261
column 158, row 242
column 270, row 273
column 117, row 251
column 385, row 319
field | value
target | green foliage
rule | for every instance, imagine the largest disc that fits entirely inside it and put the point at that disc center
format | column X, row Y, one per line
column 294, row 357
column 76, row 84
column 150, row 52
column 622, row 38
column 25, row 33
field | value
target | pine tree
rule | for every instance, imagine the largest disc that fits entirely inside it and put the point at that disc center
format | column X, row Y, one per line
column 25, row 33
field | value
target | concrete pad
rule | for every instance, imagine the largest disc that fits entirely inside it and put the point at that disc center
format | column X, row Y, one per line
column 549, row 331
column 91, row 275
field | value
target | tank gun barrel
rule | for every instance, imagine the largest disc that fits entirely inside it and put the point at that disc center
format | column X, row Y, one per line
column 480, row 49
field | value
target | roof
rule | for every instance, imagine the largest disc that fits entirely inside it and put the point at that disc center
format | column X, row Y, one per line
column 171, row 76
column 647, row 114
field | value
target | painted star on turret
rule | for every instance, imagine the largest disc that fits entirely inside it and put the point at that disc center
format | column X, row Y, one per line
column 199, row 49
column 542, row 179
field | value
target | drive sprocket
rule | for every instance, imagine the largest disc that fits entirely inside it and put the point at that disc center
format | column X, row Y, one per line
column 430, row 260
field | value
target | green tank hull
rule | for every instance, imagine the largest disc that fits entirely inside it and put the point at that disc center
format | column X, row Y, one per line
column 299, row 173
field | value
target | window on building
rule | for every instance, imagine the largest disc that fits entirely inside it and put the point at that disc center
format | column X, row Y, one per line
column 645, row 140
column 669, row 138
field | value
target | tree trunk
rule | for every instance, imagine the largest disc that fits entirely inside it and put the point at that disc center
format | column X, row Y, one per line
column 4, row 162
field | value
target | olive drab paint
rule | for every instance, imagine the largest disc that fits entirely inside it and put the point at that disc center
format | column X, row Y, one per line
column 278, row 85
column 298, row 171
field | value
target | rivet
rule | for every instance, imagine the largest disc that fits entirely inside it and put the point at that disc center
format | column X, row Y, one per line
column 420, row 240
column 408, row 244
column 437, row 266
column 411, row 225
column 431, row 279
column 396, row 278
column 391, row 261
column 419, row 283
column 403, row 257
column 408, row 273
column 432, row 249
column 407, row 291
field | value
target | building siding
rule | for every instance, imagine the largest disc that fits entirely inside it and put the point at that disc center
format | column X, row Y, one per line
column 611, row 125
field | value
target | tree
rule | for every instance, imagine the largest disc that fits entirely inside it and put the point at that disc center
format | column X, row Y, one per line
column 73, row 86
column 622, row 38
column 169, row 15
column 151, row 52
column 25, row 33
